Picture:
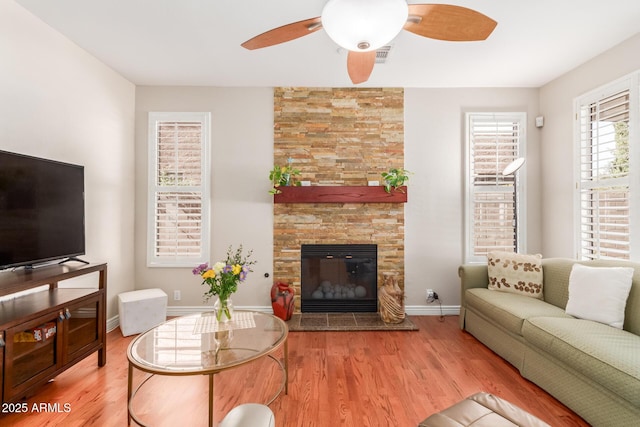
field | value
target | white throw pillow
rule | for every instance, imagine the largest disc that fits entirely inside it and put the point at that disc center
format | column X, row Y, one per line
column 599, row 293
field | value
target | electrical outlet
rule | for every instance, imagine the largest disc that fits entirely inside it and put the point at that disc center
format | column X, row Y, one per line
column 431, row 296
column 176, row 295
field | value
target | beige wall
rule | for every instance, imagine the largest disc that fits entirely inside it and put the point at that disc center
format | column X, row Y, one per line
column 242, row 126
column 59, row 102
column 434, row 150
column 557, row 105
column 241, row 157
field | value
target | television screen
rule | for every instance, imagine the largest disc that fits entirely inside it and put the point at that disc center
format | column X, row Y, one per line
column 41, row 210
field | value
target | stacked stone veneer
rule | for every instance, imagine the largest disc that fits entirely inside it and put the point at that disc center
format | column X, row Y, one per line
column 338, row 137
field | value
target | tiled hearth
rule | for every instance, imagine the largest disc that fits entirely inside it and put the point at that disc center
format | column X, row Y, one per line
column 346, row 322
column 338, row 137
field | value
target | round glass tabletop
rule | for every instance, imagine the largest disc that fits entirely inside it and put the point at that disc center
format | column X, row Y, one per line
column 198, row 344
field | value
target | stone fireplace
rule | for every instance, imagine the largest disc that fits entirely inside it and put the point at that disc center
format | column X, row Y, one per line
column 338, row 137
column 339, row 278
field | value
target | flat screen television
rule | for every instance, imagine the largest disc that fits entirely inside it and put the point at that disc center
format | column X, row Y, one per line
column 41, row 210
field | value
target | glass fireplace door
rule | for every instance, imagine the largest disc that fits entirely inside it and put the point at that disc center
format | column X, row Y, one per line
column 339, row 278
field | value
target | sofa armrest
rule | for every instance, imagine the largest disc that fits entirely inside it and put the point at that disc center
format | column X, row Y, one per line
column 471, row 276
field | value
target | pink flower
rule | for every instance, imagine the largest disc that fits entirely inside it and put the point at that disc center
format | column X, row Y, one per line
column 199, row 269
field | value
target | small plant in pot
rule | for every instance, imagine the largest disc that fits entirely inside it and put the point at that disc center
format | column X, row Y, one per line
column 395, row 178
column 282, row 176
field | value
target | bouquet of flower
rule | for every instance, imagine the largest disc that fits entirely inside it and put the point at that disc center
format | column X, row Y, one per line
column 223, row 278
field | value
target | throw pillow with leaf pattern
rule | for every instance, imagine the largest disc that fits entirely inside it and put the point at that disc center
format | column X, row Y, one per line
column 515, row 273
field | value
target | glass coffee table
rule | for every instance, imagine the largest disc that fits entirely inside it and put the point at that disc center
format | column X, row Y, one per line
column 198, row 345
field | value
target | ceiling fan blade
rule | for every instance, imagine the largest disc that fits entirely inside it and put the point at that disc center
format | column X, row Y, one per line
column 284, row 33
column 448, row 22
column 360, row 65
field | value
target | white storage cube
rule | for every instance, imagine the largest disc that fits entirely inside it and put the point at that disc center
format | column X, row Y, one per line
column 141, row 310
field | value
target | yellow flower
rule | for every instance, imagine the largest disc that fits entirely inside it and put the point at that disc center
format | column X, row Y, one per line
column 209, row 274
column 283, row 169
column 236, row 269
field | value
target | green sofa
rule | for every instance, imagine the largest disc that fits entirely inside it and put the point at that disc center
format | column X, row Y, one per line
column 592, row 368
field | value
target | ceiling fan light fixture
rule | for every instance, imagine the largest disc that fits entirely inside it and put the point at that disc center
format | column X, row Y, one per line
column 364, row 25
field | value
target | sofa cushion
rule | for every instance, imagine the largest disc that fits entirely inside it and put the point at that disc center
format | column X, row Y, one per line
column 509, row 310
column 609, row 356
column 515, row 273
column 599, row 293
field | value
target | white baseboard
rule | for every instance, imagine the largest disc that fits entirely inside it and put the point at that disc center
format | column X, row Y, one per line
column 173, row 311
column 113, row 323
column 413, row 310
column 432, row 310
column 181, row 310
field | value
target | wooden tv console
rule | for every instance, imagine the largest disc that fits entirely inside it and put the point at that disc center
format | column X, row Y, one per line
column 46, row 332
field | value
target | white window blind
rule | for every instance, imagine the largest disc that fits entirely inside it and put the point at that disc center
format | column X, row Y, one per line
column 493, row 208
column 178, row 190
column 604, row 185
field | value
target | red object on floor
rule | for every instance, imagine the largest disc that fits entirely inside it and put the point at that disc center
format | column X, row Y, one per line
column 282, row 300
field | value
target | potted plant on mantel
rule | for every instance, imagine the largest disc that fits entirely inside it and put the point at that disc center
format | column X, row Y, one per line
column 282, row 176
column 395, row 177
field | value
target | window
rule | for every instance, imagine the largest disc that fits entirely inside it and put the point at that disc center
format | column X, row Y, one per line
column 606, row 165
column 494, row 211
column 178, row 208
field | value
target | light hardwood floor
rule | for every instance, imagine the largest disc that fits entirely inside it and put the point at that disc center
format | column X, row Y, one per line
column 335, row 378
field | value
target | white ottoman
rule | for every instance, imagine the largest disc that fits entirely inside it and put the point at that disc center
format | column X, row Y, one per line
column 141, row 310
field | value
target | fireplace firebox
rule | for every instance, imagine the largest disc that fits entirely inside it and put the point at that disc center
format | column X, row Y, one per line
column 339, row 278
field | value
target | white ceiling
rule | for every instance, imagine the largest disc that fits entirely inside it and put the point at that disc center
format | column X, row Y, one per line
column 197, row 42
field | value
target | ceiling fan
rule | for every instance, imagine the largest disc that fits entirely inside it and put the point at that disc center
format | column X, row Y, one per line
column 362, row 26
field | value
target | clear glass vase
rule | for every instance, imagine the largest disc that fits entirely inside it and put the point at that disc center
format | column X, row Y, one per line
column 223, row 307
